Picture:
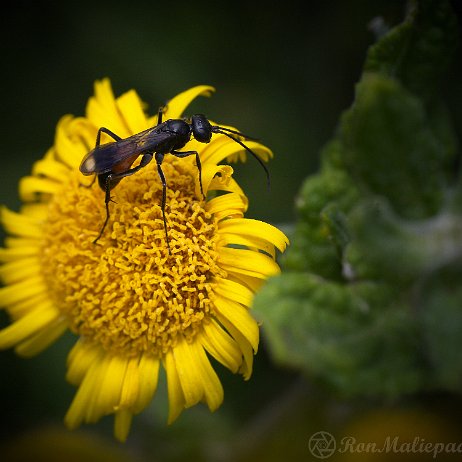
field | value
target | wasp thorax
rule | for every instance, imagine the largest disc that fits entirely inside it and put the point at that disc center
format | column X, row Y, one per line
column 178, row 127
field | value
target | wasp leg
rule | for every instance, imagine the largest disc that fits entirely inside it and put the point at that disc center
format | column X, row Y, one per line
column 108, row 132
column 98, row 142
column 108, row 188
column 112, row 179
column 160, row 114
column 159, row 159
column 198, row 163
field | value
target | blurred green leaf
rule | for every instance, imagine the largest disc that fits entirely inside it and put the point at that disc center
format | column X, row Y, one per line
column 400, row 251
column 367, row 303
column 419, row 51
column 355, row 337
column 441, row 319
column 390, row 149
column 321, row 234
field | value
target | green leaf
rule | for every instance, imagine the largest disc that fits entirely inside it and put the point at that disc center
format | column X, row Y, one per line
column 441, row 318
column 350, row 337
column 390, row 149
column 386, row 247
column 418, row 52
column 321, row 234
column 369, row 302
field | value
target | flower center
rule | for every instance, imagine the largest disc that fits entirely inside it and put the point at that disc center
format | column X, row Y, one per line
column 126, row 292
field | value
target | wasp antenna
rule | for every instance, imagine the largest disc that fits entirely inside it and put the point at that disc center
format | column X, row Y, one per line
column 250, row 151
column 234, row 132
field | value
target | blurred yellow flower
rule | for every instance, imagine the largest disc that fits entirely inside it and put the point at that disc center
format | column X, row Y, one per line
column 134, row 305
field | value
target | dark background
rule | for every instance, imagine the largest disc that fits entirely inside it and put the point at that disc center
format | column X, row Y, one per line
column 283, row 72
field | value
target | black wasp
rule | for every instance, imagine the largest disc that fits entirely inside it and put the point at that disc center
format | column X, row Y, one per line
column 113, row 161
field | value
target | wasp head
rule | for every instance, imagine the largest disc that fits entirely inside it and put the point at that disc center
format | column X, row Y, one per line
column 201, row 128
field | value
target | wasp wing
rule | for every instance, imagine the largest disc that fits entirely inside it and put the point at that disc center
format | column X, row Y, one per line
column 104, row 157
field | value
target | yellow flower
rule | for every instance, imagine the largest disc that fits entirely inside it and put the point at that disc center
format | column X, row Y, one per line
column 132, row 304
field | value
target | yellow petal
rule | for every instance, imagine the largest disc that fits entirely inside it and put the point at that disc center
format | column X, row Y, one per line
column 51, row 169
column 255, row 229
column 67, row 149
column 85, row 131
column 21, row 225
column 209, row 151
column 232, row 148
column 244, row 345
column 42, row 339
column 197, row 378
column 122, row 424
column 80, row 359
column 247, row 262
column 104, row 94
column 224, row 183
column 19, row 309
column 221, row 346
column 28, row 325
column 210, row 172
column 176, row 399
column 130, row 105
column 254, row 284
column 82, row 401
column 234, row 291
column 13, row 242
column 18, row 252
column 36, row 211
column 240, row 318
column 187, row 373
column 20, row 269
column 177, row 105
column 213, row 390
column 102, row 111
column 97, row 379
column 252, row 243
column 148, row 378
column 131, row 385
column 20, row 291
column 107, row 396
column 230, row 204
column 30, row 186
